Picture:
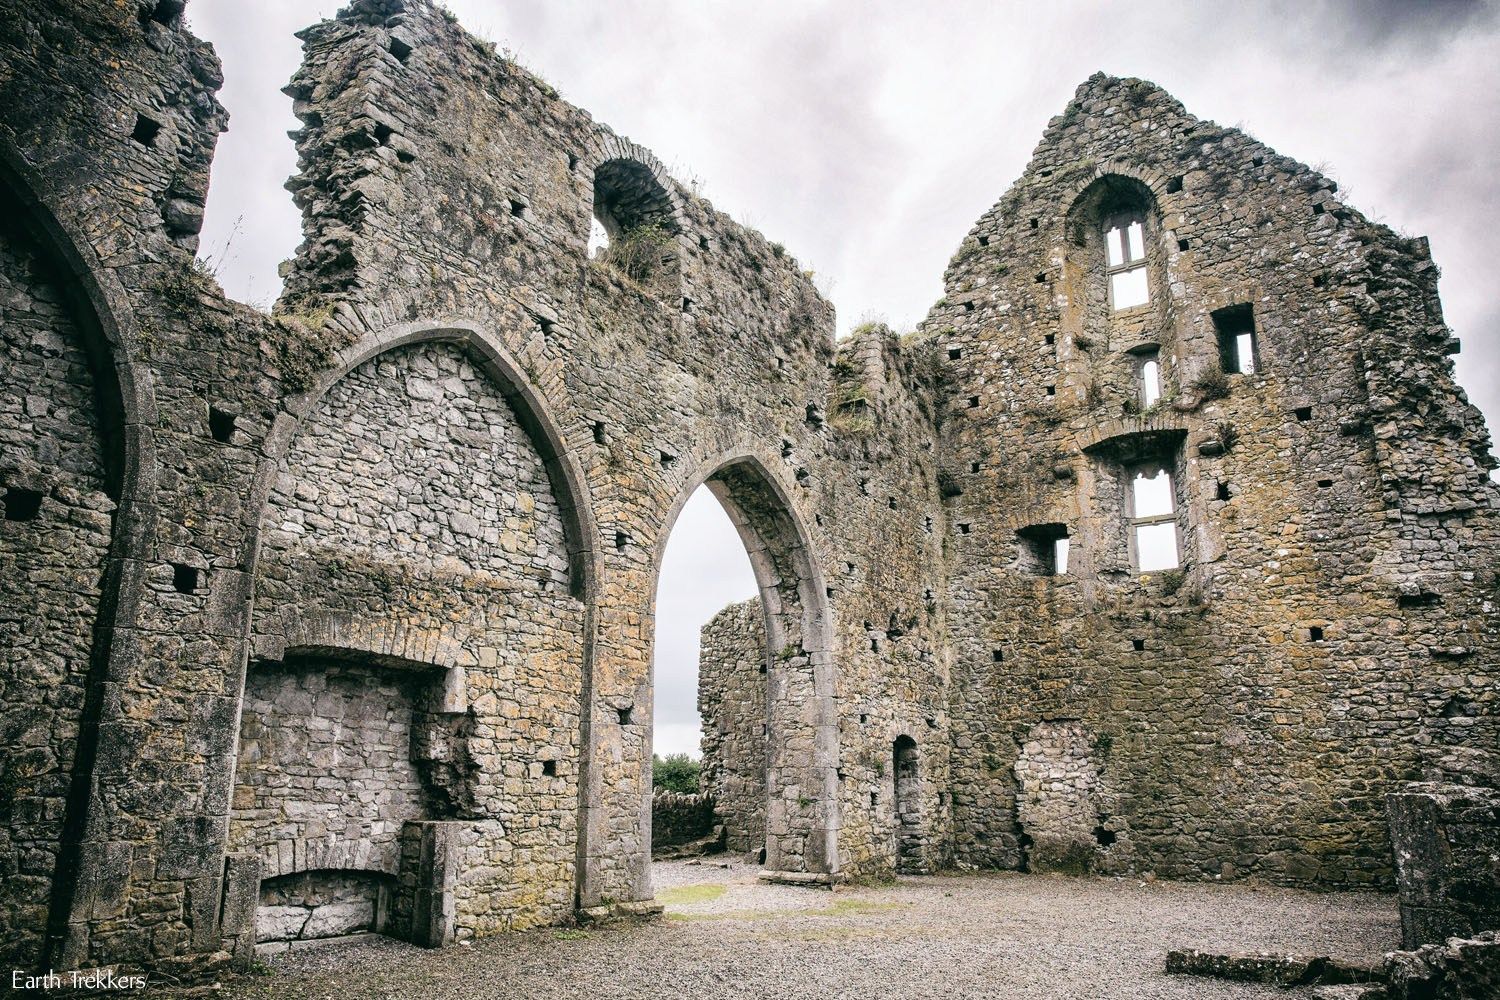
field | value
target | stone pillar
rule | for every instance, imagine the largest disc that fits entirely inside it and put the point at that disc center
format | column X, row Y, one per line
column 1447, row 844
column 237, row 911
column 433, row 914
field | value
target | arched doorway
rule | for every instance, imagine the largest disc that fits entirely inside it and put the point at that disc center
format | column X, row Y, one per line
column 795, row 664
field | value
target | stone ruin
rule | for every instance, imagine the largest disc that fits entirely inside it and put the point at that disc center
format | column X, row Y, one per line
column 1166, row 544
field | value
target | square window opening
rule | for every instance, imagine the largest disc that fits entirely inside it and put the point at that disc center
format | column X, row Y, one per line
column 22, row 504
column 1042, row 549
column 1239, row 350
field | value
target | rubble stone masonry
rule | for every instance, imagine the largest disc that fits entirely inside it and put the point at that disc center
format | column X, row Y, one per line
column 341, row 618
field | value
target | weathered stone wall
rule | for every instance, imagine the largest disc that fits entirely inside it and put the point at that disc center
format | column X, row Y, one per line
column 679, row 818
column 1332, row 595
column 732, row 705
column 1447, row 845
column 458, row 448
column 53, row 544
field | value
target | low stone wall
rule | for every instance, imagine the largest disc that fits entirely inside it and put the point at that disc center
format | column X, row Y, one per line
column 678, row 819
column 1447, row 843
column 1457, row 970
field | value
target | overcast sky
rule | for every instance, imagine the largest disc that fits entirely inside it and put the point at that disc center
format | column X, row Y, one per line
column 867, row 136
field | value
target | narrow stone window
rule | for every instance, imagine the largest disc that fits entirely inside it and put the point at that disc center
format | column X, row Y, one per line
column 622, row 541
column 1153, row 519
column 549, row 768
column 1139, row 645
column 1315, row 633
column 1148, row 376
column 1125, row 261
column 1239, row 353
column 22, row 504
column 599, row 436
column 997, row 656
column 400, row 50
column 1222, row 491
column 954, row 353
column 1303, row 413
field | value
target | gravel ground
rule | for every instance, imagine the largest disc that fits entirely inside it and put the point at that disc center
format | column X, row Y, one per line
column 727, row 935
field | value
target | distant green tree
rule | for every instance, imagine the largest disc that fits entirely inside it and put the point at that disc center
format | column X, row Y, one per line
column 675, row 772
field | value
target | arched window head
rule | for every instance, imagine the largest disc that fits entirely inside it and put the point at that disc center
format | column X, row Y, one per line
column 1125, row 260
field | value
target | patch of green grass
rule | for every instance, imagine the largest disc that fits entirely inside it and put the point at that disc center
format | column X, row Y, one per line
column 572, row 934
column 841, row 908
column 686, row 894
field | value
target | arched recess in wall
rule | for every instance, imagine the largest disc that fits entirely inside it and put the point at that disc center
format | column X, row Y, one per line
column 78, row 509
column 802, row 812
column 425, row 547
column 636, row 220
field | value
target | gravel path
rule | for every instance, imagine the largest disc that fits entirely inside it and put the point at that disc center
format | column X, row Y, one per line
column 727, row 935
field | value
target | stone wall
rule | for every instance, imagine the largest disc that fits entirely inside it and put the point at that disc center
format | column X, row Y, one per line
column 1447, row 845
column 1331, row 598
column 679, row 818
column 732, row 704
column 456, row 450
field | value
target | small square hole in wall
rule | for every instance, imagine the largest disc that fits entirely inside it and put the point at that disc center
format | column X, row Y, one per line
column 829, row 591
column 848, row 567
column 383, row 133
column 22, row 504
column 220, row 424
column 572, row 161
column 549, row 768
column 968, row 307
column 547, row 326
column 185, row 578
column 1303, row 413
column 145, row 131
column 1320, row 281
column 1221, row 491
column 997, row 656
column 1182, row 245
column 598, row 432
column 668, row 460
column 864, row 719
column 954, row 353
column 973, row 402
column 703, row 243
column 1041, row 279
column 1035, row 223
column 1256, row 161
column 1174, row 184
column 1139, row 645
column 1317, row 208
column 1050, row 340
column 818, row 520
column 786, row 448
column 874, row 798
column 984, row 241
column 927, row 524
column 626, row 715
column 1324, row 484
column 964, row 527
column 517, row 208
column 891, row 502
column 621, row 540
column 1052, row 390
column 1315, row 633
column 973, row 466
column 400, row 50
column 687, row 305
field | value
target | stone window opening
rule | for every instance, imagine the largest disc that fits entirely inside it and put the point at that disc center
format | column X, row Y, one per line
column 1148, row 377
column 1125, row 261
column 166, row 12
column 1239, row 348
column 632, row 226
column 1152, row 515
column 1042, row 549
column 145, row 131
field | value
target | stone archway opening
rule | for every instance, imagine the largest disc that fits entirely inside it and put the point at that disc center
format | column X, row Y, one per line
column 765, row 687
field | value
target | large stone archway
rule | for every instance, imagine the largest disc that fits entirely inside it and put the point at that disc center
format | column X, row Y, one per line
column 802, row 810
